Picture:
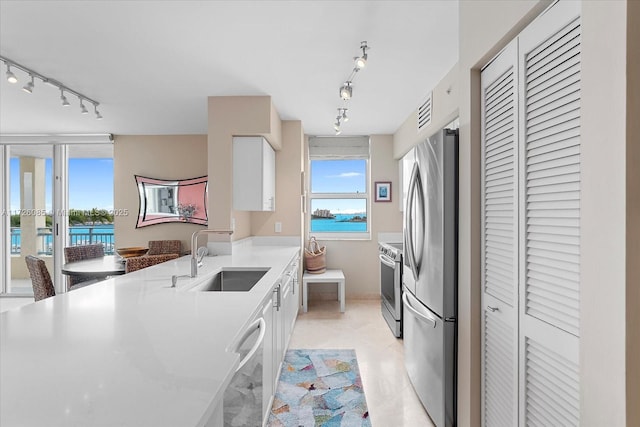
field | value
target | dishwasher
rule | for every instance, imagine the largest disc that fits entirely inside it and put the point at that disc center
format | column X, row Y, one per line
column 242, row 402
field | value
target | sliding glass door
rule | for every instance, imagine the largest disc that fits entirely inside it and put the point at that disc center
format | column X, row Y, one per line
column 54, row 195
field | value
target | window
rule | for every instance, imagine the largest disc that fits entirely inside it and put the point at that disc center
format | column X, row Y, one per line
column 339, row 187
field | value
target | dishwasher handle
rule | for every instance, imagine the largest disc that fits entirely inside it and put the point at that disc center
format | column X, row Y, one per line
column 259, row 323
column 420, row 316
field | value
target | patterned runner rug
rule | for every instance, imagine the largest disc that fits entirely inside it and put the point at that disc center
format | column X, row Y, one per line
column 319, row 388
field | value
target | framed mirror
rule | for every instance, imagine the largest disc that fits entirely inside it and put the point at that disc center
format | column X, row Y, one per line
column 163, row 201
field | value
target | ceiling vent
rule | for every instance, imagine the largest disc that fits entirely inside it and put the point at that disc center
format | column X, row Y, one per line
column 424, row 113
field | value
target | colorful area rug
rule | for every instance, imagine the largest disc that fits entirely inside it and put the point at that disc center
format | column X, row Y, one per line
column 319, row 388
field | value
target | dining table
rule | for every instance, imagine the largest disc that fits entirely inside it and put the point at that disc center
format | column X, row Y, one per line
column 103, row 267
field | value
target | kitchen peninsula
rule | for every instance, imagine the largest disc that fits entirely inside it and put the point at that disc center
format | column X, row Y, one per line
column 132, row 350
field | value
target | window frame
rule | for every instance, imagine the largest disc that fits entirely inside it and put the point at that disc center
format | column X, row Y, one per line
column 366, row 195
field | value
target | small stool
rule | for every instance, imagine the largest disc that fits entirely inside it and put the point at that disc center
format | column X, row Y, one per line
column 329, row 276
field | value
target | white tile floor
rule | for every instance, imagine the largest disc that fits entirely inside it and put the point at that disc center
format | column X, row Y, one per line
column 390, row 396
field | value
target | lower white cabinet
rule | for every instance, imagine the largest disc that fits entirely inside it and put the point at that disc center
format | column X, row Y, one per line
column 268, row 374
column 279, row 312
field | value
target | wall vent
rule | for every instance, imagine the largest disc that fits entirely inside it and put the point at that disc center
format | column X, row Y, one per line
column 424, row 113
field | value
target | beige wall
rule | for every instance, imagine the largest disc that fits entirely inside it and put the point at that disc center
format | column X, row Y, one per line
column 444, row 101
column 358, row 259
column 231, row 116
column 609, row 208
column 633, row 214
column 155, row 156
column 288, row 186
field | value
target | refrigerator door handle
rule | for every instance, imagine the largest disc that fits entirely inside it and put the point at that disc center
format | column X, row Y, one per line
column 419, row 316
column 413, row 182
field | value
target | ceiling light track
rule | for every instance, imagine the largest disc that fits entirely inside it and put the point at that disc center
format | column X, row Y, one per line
column 29, row 87
column 346, row 90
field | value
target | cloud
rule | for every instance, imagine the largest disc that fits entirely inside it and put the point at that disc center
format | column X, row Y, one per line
column 346, row 175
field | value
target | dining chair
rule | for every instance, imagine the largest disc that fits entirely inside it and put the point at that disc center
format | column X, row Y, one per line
column 40, row 278
column 159, row 251
column 144, row 261
column 79, row 253
column 162, row 247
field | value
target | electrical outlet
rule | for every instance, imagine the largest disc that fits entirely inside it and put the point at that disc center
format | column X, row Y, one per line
column 278, row 227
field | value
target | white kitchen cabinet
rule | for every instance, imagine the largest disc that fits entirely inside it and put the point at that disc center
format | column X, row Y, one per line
column 291, row 301
column 254, row 174
column 268, row 373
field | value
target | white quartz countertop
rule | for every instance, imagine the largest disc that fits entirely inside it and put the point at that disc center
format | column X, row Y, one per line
column 130, row 351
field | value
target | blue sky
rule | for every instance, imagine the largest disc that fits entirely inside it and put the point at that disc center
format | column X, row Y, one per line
column 90, row 183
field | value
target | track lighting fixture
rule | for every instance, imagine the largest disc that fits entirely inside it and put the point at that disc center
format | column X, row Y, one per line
column 29, row 86
column 65, row 102
column 336, row 125
column 346, row 90
column 11, row 78
column 361, row 61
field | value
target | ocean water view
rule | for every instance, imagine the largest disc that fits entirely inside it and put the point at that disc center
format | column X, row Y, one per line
column 78, row 235
column 342, row 223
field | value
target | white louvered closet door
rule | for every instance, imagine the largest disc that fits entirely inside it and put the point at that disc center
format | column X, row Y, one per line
column 549, row 65
column 499, row 83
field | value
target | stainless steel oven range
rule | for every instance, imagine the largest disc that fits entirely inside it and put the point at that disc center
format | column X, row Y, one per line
column 390, row 255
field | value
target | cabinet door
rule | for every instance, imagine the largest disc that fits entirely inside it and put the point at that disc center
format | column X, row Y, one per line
column 499, row 83
column 268, row 379
column 253, row 174
column 268, row 177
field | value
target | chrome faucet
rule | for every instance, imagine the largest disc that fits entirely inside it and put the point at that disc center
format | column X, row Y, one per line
column 194, row 248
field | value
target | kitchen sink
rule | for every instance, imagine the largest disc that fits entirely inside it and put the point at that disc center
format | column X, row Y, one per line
column 232, row 280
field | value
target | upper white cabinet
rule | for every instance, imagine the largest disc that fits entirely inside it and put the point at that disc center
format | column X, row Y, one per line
column 254, row 174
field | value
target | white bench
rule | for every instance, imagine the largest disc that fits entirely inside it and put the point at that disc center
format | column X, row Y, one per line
column 329, row 276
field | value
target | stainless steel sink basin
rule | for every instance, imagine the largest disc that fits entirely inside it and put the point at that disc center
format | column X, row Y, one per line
column 232, row 280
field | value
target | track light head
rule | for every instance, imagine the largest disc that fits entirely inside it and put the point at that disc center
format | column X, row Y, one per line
column 98, row 115
column 336, row 125
column 11, row 78
column 346, row 91
column 344, row 116
column 29, row 86
column 361, row 61
column 65, row 102
column 83, row 109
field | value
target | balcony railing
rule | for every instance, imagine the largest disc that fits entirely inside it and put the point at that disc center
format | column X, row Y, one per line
column 45, row 239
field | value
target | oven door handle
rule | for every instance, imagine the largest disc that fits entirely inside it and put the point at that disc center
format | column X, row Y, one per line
column 387, row 261
column 420, row 316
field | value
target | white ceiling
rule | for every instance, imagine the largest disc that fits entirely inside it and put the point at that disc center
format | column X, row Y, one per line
column 152, row 64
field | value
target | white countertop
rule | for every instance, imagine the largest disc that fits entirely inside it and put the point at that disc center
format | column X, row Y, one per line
column 130, row 351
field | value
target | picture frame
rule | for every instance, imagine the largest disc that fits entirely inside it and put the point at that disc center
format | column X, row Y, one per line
column 383, row 191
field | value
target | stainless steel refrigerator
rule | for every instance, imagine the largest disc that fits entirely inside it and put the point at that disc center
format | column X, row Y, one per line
column 430, row 267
